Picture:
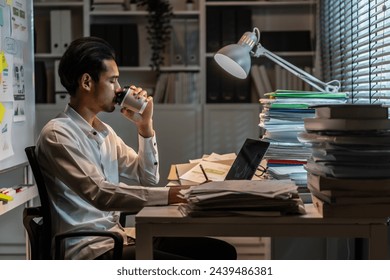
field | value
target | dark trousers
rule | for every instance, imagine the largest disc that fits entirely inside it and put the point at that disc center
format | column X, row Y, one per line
column 183, row 248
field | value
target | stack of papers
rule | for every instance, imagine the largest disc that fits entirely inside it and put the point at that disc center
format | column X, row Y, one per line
column 243, row 198
column 281, row 121
column 348, row 171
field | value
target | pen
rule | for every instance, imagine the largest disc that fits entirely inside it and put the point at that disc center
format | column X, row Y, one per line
column 204, row 173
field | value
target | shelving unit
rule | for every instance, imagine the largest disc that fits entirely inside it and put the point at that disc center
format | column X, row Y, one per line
column 178, row 125
column 240, row 120
column 186, row 130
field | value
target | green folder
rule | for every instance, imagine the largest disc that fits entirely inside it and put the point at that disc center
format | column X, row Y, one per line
column 306, row 94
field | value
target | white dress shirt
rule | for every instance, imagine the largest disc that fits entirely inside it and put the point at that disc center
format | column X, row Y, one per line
column 82, row 165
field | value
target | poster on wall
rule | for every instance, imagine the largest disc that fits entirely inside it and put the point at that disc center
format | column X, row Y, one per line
column 5, row 130
column 6, row 60
column 19, row 20
column 17, row 96
column 18, row 90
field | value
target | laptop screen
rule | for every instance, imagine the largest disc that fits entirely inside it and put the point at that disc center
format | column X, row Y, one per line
column 247, row 160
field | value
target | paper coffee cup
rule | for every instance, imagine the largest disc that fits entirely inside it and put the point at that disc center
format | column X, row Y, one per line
column 127, row 99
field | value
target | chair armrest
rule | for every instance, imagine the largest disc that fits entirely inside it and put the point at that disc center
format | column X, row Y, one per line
column 118, row 241
column 123, row 215
column 34, row 228
column 32, row 212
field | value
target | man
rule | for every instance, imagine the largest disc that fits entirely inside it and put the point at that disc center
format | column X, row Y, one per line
column 82, row 159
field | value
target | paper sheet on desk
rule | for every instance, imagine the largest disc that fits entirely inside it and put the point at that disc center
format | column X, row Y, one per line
column 215, row 157
column 215, row 172
column 266, row 188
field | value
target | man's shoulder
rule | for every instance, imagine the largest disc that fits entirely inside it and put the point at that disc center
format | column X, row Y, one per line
column 60, row 118
column 60, row 122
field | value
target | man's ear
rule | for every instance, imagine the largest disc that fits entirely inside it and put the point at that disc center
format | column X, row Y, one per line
column 86, row 81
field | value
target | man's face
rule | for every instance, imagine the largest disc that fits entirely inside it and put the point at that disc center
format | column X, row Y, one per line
column 104, row 93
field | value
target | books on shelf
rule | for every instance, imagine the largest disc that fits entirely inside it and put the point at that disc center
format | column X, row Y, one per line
column 192, row 42
column 177, row 87
column 127, row 47
column 259, row 85
column 264, row 78
column 184, row 42
column 178, row 43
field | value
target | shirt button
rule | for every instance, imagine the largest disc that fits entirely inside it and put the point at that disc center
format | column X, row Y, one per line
column 154, row 144
column 94, row 133
column 156, row 163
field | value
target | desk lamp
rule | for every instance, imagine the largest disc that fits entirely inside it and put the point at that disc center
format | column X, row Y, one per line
column 236, row 60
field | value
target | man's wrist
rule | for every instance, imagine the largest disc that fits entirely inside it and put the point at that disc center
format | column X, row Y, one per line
column 146, row 131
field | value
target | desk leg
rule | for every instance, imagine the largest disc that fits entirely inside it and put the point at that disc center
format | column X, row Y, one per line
column 144, row 243
column 378, row 243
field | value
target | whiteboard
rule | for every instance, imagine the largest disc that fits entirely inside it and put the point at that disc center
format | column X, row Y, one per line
column 17, row 118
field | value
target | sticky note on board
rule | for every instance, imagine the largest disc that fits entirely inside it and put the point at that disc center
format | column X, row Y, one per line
column 2, row 112
column 3, row 62
column 6, row 198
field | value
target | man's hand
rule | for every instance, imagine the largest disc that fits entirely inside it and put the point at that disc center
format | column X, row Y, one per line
column 173, row 196
column 144, row 121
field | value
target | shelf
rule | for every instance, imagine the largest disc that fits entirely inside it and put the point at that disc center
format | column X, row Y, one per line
column 163, row 69
column 260, row 3
column 47, row 55
column 19, row 199
column 139, row 13
column 50, row 5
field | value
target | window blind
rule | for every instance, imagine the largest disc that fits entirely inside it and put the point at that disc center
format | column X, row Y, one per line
column 355, row 47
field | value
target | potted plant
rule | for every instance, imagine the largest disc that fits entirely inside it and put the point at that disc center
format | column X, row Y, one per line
column 158, row 28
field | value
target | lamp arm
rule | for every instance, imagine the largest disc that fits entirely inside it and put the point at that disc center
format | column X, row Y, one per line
column 311, row 80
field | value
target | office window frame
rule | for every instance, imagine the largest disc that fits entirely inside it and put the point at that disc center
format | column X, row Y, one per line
column 355, row 47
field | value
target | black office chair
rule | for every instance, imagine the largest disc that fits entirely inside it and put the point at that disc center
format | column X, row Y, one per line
column 37, row 222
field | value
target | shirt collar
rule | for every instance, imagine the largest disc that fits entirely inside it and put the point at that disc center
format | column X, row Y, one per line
column 98, row 131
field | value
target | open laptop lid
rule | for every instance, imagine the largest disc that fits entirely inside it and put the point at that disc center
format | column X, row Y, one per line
column 247, row 160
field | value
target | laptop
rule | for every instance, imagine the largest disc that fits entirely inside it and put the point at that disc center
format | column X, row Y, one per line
column 247, row 160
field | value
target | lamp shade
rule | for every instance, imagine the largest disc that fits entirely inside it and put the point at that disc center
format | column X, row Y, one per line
column 234, row 59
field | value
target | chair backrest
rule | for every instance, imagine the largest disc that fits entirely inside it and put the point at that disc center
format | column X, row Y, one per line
column 37, row 221
column 39, row 232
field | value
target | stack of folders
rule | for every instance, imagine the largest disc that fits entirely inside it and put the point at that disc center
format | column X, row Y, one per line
column 242, row 198
column 281, row 120
column 348, row 171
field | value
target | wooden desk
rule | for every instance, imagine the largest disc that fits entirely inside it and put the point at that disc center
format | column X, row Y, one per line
column 168, row 221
